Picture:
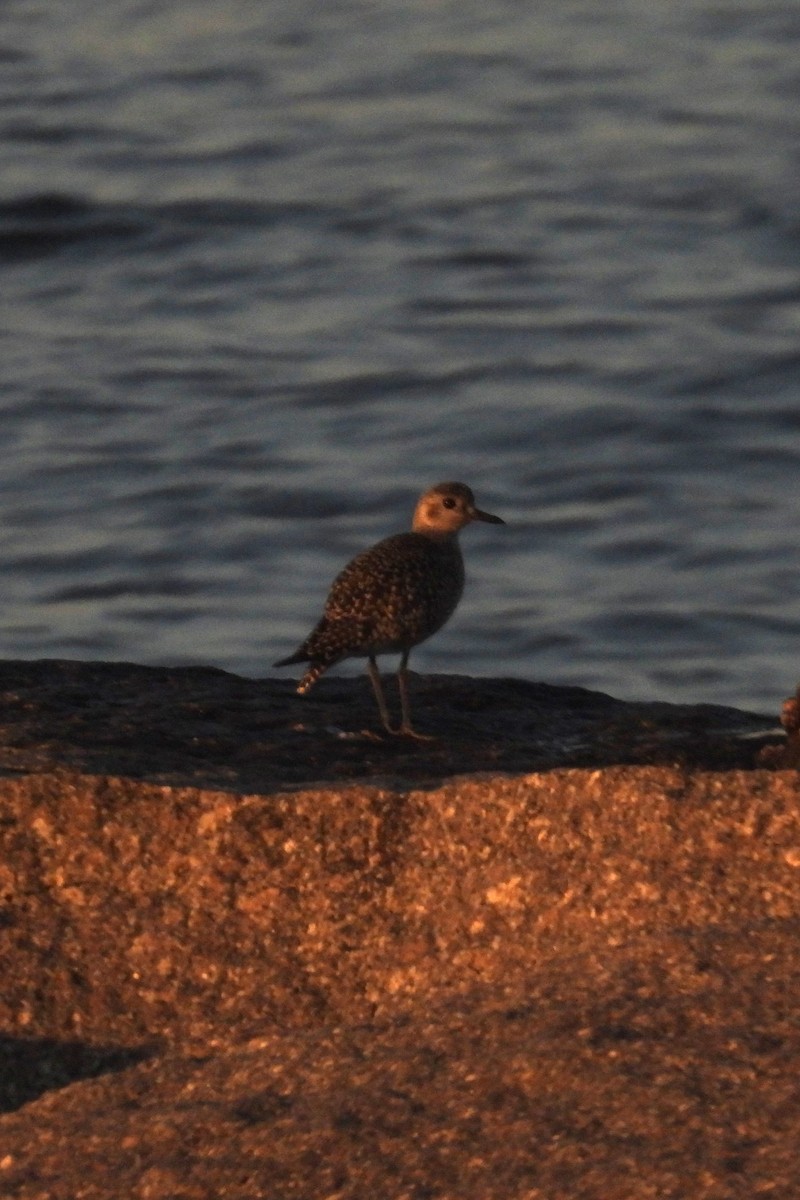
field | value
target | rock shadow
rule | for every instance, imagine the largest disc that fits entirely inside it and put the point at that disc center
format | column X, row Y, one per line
column 31, row 1066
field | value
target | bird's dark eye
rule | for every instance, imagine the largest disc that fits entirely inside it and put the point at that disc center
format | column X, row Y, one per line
column 449, row 502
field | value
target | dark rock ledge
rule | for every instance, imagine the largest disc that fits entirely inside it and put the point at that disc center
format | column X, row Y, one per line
column 553, row 954
column 207, row 728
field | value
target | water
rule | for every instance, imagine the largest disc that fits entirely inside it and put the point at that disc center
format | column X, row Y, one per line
column 268, row 271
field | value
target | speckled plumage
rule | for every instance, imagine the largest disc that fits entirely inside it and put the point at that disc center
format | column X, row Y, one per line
column 394, row 595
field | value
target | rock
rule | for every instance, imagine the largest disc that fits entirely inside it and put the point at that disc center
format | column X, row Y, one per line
column 206, row 728
column 553, row 954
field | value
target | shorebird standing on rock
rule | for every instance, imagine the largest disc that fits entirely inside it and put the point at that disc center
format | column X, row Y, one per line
column 394, row 596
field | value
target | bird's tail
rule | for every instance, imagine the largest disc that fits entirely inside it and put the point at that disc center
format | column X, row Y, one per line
column 325, row 646
column 311, row 676
column 316, row 668
column 298, row 656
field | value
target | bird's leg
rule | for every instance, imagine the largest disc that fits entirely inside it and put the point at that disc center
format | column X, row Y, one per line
column 405, row 708
column 377, row 687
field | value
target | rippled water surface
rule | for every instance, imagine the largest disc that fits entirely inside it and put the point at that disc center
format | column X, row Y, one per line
column 269, row 270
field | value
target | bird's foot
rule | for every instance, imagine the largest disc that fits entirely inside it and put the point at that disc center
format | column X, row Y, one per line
column 407, row 731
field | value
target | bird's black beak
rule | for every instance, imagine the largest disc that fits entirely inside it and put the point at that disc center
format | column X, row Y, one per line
column 477, row 515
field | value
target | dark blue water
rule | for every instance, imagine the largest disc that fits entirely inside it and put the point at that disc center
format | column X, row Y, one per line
column 270, row 270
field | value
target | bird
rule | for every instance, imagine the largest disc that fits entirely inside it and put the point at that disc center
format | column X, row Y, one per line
column 394, row 596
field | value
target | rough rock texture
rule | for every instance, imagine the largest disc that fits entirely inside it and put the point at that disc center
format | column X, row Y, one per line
column 572, row 975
